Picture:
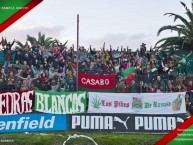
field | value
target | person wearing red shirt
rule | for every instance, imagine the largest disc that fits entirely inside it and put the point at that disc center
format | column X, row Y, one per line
column 190, row 86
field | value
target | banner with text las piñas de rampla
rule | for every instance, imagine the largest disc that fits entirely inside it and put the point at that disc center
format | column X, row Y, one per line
column 60, row 102
column 144, row 103
column 12, row 103
column 96, row 82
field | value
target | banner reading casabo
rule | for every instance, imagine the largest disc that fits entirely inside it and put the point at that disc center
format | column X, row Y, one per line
column 144, row 103
column 60, row 102
column 97, row 82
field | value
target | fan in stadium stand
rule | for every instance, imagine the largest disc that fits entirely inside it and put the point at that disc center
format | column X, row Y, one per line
column 190, row 111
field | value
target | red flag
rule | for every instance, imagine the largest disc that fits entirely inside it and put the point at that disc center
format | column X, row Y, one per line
column 55, row 50
column 129, row 78
column 73, row 65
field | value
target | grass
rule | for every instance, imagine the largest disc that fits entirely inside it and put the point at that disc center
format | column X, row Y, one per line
column 57, row 138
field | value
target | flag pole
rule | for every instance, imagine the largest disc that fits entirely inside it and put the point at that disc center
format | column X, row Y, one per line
column 77, row 52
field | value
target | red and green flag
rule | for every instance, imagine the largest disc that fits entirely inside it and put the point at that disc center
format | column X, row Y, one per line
column 181, row 135
column 127, row 74
column 12, row 10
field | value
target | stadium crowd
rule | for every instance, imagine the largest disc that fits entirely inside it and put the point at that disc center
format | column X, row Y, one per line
column 34, row 68
column 154, row 71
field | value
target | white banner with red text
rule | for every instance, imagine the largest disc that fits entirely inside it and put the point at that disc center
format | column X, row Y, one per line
column 143, row 103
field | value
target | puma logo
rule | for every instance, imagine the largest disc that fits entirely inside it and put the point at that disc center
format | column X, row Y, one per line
column 121, row 121
column 180, row 120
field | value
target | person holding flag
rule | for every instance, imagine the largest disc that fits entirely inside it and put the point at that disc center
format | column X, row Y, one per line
column 127, row 74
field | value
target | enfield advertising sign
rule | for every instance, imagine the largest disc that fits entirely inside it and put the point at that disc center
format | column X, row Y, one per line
column 32, row 123
column 124, row 122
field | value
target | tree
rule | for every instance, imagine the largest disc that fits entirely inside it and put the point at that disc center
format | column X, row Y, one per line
column 184, row 38
column 21, row 45
column 42, row 40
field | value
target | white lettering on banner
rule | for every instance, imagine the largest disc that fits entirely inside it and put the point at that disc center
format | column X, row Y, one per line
column 24, row 123
column 60, row 104
column 14, row 103
column 96, row 124
column 155, row 123
column 92, row 122
column 171, row 123
column 93, row 82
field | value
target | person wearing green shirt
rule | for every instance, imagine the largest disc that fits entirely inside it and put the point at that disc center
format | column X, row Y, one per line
column 179, row 69
column 184, row 60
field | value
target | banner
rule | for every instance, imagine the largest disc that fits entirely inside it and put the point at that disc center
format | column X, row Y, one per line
column 144, row 103
column 32, row 122
column 182, row 135
column 16, row 102
column 124, row 122
column 60, row 102
column 12, row 10
column 96, row 82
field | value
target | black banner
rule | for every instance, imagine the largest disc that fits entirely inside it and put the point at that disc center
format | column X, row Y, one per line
column 124, row 122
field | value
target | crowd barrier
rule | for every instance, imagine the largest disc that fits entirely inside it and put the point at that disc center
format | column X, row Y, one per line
column 33, row 111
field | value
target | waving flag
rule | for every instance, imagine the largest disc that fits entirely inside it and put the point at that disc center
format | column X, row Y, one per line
column 73, row 66
column 127, row 74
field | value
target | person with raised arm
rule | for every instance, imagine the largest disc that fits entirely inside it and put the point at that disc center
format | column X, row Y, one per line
column 7, row 54
column 29, row 79
column 184, row 61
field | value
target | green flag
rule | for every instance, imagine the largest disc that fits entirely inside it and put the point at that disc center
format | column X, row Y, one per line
column 127, row 71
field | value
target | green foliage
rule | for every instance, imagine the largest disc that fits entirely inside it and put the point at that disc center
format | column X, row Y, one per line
column 184, row 38
column 96, row 102
column 41, row 40
column 19, row 44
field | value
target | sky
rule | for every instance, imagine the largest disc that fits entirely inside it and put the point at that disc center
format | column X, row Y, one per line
column 115, row 22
